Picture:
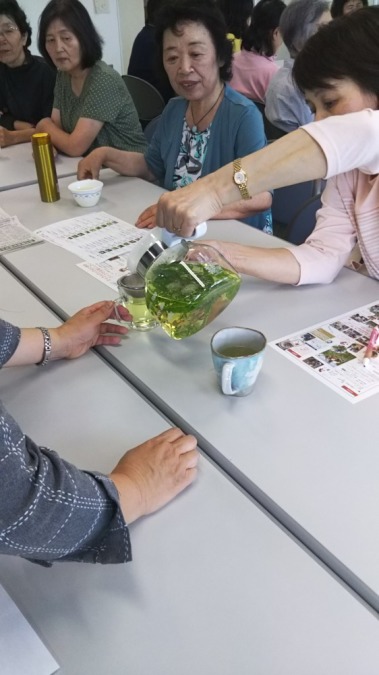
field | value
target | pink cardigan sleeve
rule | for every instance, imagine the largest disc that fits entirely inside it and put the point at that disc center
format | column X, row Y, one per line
column 349, row 142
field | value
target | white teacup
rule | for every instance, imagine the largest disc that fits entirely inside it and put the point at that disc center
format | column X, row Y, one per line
column 86, row 192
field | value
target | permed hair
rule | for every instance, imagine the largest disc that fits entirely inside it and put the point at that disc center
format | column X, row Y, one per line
column 174, row 13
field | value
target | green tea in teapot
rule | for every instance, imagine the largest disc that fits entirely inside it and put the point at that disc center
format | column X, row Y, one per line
column 186, row 295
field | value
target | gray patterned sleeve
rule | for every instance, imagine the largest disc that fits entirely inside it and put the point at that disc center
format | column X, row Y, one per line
column 9, row 339
column 49, row 509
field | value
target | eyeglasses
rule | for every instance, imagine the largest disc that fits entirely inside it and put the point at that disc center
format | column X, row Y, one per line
column 8, row 32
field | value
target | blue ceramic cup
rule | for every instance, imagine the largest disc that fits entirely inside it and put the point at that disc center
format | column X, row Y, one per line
column 237, row 355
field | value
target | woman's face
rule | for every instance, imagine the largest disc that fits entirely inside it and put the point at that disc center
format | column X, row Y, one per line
column 190, row 62
column 11, row 43
column 341, row 97
column 63, row 47
column 351, row 6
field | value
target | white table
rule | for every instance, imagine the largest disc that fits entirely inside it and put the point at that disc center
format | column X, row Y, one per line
column 17, row 167
column 215, row 587
column 305, row 453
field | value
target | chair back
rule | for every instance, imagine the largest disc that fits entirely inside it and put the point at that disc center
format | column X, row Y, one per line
column 304, row 221
column 287, row 201
column 272, row 132
column 147, row 99
column 150, row 128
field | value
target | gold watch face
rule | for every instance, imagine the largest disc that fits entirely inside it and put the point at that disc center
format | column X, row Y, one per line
column 240, row 177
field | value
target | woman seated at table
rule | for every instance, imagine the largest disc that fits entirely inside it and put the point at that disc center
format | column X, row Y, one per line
column 254, row 65
column 343, row 7
column 207, row 126
column 338, row 72
column 285, row 105
column 51, row 510
column 92, row 106
column 26, row 81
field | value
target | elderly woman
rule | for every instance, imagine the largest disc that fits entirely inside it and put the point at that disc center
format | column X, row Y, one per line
column 26, row 81
column 208, row 125
column 286, row 107
column 254, row 66
column 338, row 72
column 342, row 7
column 92, row 107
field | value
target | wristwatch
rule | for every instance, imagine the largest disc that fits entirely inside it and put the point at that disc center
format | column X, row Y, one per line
column 240, row 179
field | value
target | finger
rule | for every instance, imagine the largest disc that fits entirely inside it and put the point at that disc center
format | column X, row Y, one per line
column 186, row 443
column 102, row 309
column 189, row 477
column 121, row 313
column 172, row 434
column 190, row 459
column 109, row 339
column 113, row 328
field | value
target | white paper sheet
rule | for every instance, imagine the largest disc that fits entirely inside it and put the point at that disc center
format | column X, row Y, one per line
column 107, row 271
column 13, row 235
column 333, row 352
column 94, row 237
column 21, row 650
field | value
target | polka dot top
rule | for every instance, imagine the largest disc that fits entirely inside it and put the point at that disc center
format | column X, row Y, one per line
column 105, row 98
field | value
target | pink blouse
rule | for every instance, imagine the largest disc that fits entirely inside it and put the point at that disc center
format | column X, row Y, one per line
column 252, row 74
column 350, row 202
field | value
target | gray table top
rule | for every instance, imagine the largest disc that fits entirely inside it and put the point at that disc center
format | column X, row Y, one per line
column 17, row 166
column 215, row 586
column 304, row 452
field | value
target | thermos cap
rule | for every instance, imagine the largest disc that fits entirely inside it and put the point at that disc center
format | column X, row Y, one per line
column 41, row 139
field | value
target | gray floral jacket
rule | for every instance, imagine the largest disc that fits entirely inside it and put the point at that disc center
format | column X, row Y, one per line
column 49, row 509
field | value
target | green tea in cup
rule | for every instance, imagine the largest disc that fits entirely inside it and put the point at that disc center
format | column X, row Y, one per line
column 132, row 297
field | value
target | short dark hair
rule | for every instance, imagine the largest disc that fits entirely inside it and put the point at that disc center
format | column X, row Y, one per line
column 152, row 7
column 236, row 14
column 345, row 48
column 265, row 19
column 13, row 10
column 177, row 12
column 337, row 6
column 75, row 16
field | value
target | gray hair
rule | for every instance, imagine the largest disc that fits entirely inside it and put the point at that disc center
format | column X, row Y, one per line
column 299, row 21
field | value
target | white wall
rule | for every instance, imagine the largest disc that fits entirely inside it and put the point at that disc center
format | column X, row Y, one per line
column 118, row 28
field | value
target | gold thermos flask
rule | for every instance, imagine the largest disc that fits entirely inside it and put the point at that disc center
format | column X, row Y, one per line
column 45, row 167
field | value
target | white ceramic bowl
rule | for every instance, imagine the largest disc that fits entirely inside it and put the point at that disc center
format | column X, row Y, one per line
column 86, row 192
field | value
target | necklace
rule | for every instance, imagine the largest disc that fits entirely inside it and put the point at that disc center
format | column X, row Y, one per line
column 196, row 124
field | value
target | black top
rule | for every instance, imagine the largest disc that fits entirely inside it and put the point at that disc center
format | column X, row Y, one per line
column 26, row 92
column 143, row 60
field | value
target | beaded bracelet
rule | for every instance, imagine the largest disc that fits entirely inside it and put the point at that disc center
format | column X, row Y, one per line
column 46, row 346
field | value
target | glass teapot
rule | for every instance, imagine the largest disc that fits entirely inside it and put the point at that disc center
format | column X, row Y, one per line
column 187, row 286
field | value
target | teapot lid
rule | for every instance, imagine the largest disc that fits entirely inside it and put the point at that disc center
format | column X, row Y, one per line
column 149, row 256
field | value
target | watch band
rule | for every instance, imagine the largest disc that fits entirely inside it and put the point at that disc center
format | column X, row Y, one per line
column 46, row 346
column 240, row 179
